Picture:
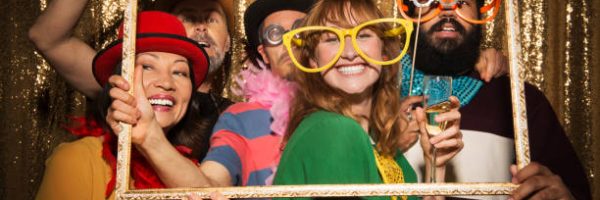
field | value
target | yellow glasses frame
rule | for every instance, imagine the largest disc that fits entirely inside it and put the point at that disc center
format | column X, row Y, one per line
column 289, row 37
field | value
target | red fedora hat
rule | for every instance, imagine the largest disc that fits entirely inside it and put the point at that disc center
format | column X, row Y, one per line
column 156, row 31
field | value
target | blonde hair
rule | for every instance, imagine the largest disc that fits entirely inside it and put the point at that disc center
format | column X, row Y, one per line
column 315, row 94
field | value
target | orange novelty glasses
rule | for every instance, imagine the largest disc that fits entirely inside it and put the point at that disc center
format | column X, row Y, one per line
column 432, row 8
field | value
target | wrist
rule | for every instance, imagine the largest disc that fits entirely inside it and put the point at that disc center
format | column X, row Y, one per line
column 154, row 137
column 440, row 172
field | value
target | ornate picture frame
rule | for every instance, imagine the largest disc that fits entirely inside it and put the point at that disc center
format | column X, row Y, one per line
column 123, row 190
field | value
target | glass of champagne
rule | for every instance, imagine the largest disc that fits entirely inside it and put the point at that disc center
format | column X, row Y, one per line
column 437, row 91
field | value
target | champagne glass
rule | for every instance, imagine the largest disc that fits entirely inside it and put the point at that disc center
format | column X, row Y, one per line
column 437, row 91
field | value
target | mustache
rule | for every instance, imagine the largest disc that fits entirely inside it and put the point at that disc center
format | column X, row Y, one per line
column 439, row 25
column 458, row 60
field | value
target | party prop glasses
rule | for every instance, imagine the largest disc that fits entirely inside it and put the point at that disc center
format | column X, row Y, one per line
column 437, row 91
column 273, row 34
column 432, row 8
column 312, row 40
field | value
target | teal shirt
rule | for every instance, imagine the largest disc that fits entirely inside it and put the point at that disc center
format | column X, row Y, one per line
column 329, row 148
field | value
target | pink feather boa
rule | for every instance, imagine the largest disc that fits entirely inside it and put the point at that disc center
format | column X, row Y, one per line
column 271, row 91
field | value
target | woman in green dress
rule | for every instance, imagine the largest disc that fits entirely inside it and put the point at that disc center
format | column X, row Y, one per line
column 348, row 124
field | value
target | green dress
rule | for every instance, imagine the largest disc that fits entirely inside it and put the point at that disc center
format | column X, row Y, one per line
column 329, row 148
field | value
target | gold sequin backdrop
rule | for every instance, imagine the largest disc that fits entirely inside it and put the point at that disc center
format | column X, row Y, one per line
column 560, row 39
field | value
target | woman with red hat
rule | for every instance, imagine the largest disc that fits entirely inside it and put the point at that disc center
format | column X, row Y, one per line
column 168, row 69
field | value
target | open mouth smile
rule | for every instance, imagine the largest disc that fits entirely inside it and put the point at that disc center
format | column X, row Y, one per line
column 161, row 102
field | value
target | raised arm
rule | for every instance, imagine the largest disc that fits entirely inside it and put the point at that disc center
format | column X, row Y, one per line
column 173, row 169
column 52, row 34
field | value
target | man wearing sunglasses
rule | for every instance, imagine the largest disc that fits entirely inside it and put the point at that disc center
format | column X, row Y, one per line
column 448, row 45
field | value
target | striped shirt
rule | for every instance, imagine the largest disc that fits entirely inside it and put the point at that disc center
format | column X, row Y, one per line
column 243, row 142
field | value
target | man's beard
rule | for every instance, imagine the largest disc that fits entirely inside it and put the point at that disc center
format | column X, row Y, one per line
column 217, row 59
column 215, row 62
column 448, row 56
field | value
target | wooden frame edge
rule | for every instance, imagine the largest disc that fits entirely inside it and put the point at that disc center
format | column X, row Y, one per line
column 520, row 128
column 345, row 190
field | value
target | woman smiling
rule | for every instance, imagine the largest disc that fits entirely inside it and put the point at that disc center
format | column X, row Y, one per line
column 348, row 123
column 168, row 68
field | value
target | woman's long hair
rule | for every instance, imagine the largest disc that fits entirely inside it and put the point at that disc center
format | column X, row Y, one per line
column 315, row 94
column 187, row 132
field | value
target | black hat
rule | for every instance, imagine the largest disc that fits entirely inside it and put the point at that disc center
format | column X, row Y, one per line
column 259, row 10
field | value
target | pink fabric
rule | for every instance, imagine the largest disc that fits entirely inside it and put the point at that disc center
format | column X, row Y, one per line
column 271, row 91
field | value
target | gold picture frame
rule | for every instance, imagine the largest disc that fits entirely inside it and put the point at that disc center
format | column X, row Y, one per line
column 123, row 190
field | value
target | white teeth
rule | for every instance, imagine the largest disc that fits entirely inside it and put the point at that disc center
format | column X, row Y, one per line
column 350, row 70
column 203, row 43
column 448, row 29
column 161, row 102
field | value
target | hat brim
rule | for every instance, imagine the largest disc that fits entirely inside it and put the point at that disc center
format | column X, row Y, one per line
column 106, row 60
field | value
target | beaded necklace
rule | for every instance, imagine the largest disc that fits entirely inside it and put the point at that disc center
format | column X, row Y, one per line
column 388, row 168
column 463, row 87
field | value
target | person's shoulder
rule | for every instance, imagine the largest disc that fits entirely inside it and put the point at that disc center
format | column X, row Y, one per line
column 530, row 88
column 243, row 111
column 534, row 93
column 76, row 152
column 82, row 145
column 531, row 91
column 505, row 81
column 249, row 120
column 534, row 97
column 241, row 107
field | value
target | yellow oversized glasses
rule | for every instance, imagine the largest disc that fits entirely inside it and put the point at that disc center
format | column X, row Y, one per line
column 432, row 8
column 368, row 39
